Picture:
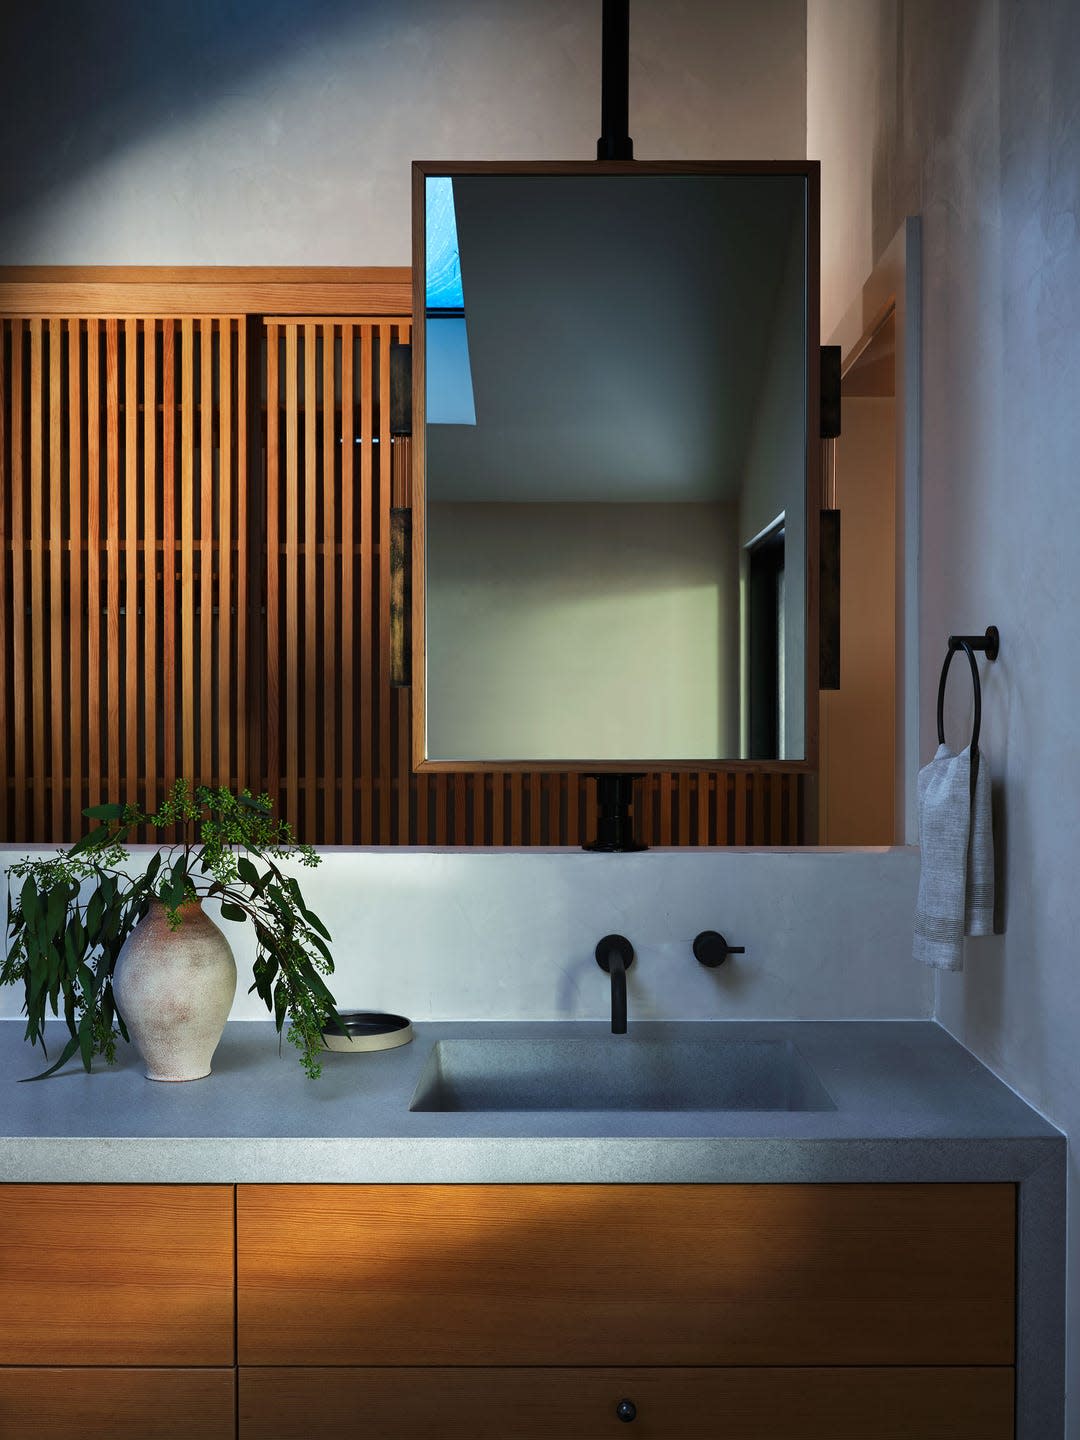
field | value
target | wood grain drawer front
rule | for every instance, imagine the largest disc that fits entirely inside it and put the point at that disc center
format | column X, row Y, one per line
column 69, row 1404
column 676, row 1404
column 626, row 1275
column 116, row 1275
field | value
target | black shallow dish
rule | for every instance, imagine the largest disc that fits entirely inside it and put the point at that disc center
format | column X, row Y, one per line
column 365, row 1030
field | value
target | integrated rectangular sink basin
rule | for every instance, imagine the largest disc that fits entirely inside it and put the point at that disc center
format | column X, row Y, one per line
column 618, row 1074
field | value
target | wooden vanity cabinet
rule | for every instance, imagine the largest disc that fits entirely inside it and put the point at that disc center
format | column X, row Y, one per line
column 117, row 1307
column 827, row 1312
column 767, row 1310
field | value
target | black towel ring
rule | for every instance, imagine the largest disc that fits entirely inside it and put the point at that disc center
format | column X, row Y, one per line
column 989, row 644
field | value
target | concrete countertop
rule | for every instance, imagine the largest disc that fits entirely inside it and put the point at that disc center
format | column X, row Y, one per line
column 911, row 1104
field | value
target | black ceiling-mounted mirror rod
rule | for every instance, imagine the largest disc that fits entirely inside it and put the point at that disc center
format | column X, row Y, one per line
column 615, row 793
column 614, row 142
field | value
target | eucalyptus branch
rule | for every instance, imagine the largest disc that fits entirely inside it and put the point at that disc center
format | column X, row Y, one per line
column 63, row 943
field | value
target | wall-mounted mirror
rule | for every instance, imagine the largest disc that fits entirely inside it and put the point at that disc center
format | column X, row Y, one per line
column 615, row 465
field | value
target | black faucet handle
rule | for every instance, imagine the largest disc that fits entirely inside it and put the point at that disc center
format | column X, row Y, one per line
column 614, row 944
column 711, row 949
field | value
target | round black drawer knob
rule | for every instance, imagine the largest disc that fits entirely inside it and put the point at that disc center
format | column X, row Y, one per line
column 626, row 1410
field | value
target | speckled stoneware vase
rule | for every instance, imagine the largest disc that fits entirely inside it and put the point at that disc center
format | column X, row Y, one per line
column 174, row 989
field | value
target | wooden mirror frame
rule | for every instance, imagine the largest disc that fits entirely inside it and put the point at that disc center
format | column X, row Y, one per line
column 808, row 170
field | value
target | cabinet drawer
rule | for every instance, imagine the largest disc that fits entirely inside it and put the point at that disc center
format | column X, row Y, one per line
column 116, row 1274
column 677, row 1404
column 45, row 1404
column 626, row 1275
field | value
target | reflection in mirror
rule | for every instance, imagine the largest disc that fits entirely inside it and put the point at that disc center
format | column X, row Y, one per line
column 616, row 446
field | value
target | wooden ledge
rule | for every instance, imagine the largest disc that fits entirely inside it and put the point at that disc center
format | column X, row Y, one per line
column 115, row 290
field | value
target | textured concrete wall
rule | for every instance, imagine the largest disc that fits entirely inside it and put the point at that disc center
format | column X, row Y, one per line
column 969, row 113
column 274, row 132
column 510, row 935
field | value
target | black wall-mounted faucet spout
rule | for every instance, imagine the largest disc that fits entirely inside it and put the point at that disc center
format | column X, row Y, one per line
column 615, row 954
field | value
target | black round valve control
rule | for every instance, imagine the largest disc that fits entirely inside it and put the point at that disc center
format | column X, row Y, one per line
column 626, row 1410
column 711, row 949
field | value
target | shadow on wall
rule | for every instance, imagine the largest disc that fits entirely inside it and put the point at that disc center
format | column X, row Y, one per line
column 84, row 80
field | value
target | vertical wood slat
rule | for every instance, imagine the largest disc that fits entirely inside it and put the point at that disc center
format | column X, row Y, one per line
column 308, row 556
column 131, row 675
column 365, row 608
column 18, row 581
column 328, row 771
column 274, row 690
column 205, row 550
column 187, row 758
column 226, row 770
column 292, row 578
column 273, row 598
column 112, row 666
column 348, row 511
column 37, row 587
column 93, row 560
column 169, row 655
column 5, row 481
column 240, row 636
column 383, row 601
column 57, row 668
column 150, row 554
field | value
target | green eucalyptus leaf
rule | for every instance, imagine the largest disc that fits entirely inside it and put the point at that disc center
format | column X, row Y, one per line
column 72, row 955
column 316, row 924
column 281, row 1005
column 90, row 840
column 323, row 949
column 56, row 908
column 153, row 868
column 86, row 1038
column 230, row 911
column 173, row 892
column 28, row 900
column 95, row 911
column 104, row 812
column 313, row 980
column 247, row 872
column 69, row 1050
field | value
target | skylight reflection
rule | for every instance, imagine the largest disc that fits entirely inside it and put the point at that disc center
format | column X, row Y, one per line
column 444, row 289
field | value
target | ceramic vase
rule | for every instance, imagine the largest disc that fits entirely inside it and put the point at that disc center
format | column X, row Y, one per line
column 174, row 989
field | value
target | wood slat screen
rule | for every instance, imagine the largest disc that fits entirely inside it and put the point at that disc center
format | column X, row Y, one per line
column 124, row 554
column 181, row 596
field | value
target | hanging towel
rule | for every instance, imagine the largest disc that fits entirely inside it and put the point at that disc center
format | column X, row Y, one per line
column 979, row 896
column 956, row 880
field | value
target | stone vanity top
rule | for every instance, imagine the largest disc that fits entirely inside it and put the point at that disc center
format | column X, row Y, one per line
column 910, row 1104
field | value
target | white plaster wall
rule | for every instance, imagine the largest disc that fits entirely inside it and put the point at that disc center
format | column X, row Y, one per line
column 970, row 114
column 581, row 629
column 510, row 934
column 281, row 132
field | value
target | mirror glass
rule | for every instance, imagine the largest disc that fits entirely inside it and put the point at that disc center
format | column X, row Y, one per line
column 614, row 386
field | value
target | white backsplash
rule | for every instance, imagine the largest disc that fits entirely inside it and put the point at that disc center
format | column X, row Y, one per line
column 510, row 934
